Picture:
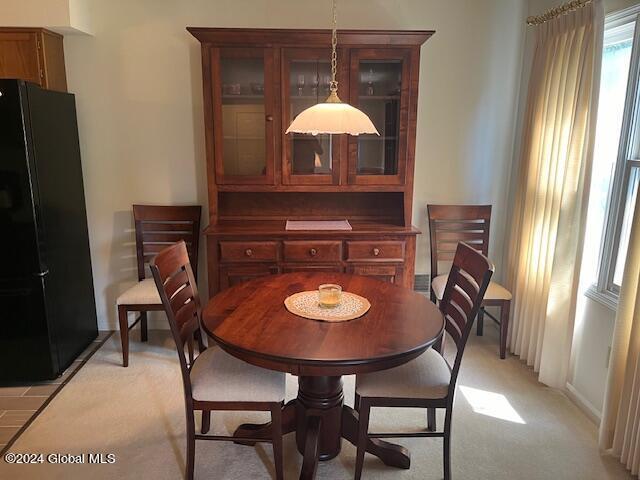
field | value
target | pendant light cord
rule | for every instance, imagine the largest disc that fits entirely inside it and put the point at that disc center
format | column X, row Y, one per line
column 334, row 53
column 333, row 85
column 332, row 116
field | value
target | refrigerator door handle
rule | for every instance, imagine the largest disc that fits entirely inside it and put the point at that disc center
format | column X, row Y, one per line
column 41, row 274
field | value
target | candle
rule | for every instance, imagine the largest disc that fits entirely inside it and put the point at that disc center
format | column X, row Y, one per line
column 329, row 295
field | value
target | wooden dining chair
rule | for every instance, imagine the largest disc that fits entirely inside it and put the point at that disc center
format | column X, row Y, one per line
column 214, row 380
column 450, row 224
column 429, row 381
column 156, row 227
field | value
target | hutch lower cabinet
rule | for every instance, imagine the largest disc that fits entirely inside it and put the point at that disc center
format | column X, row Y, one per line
column 236, row 258
column 255, row 81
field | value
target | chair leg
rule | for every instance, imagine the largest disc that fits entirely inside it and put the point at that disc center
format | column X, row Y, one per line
column 276, row 429
column 198, row 337
column 505, row 311
column 363, row 427
column 480, row 322
column 431, row 419
column 191, row 444
column 446, row 448
column 206, row 421
column 143, row 327
column 356, row 402
column 124, row 334
column 438, row 346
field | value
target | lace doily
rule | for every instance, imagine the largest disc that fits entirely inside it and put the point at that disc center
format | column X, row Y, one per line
column 306, row 304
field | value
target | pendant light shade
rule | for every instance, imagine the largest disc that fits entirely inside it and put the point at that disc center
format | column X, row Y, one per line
column 333, row 116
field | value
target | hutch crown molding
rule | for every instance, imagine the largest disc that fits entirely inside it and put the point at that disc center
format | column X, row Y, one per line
column 254, row 82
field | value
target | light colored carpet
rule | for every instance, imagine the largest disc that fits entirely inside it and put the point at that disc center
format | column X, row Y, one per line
column 137, row 414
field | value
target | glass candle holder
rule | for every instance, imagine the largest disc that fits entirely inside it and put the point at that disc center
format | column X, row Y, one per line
column 329, row 295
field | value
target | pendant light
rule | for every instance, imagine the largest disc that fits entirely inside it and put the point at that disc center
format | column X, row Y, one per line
column 332, row 116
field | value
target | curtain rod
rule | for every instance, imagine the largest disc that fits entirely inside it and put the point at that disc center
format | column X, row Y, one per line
column 557, row 11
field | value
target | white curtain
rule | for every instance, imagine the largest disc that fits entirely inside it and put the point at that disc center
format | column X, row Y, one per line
column 549, row 215
column 620, row 424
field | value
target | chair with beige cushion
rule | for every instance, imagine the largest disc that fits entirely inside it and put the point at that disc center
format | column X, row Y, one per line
column 428, row 381
column 450, row 224
column 156, row 227
column 214, row 380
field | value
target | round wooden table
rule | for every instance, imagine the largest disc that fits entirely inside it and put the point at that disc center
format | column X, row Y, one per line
column 250, row 322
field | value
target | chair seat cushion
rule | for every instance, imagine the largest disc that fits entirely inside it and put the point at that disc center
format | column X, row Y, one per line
column 144, row 292
column 217, row 376
column 427, row 376
column 495, row 291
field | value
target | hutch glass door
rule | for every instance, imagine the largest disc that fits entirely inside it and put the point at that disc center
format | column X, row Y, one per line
column 243, row 106
column 308, row 159
column 379, row 87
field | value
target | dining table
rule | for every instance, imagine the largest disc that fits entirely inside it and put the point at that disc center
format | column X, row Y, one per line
column 251, row 322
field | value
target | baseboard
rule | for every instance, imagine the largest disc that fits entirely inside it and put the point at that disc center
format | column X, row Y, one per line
column 158, row 324
column 583, row 404
column 421, row 283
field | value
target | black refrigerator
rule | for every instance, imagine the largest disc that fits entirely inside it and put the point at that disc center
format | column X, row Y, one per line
column 47, row 304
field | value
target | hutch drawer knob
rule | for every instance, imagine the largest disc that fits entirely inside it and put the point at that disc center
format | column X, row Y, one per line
column 248, row 252
column 269, row 118
column 376, row 252
column 313, row 252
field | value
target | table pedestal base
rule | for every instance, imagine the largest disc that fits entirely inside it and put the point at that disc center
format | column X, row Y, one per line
column 320, row 420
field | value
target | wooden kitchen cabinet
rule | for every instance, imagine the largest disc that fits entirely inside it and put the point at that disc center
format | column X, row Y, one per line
column 35, row 55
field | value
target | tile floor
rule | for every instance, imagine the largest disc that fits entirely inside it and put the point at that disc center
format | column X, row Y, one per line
column 19, row 405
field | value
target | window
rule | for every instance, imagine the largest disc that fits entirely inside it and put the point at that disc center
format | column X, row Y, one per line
column 616, row 167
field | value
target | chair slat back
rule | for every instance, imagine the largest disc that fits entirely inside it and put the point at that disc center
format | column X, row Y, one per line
column 467, row 283
column 176, row 284
column 450, row 224
column 158, row 226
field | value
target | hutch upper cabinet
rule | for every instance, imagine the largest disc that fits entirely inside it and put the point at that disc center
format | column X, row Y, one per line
column 255, row 81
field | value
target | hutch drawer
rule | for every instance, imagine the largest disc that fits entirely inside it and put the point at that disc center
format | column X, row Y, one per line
column 248, row 251
column 377, row 251
column 312, row 251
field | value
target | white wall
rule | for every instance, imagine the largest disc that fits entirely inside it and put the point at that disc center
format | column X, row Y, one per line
column 64, row 16
column 138, row 86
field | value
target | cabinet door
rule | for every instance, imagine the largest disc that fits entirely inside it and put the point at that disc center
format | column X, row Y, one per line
column 19, row 56
column 309, row 159
column 384, row 273
column 380, row 88
column 243, row 115
column 231, row 275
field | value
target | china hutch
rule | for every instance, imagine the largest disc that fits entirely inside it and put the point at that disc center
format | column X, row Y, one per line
column 255, row 81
